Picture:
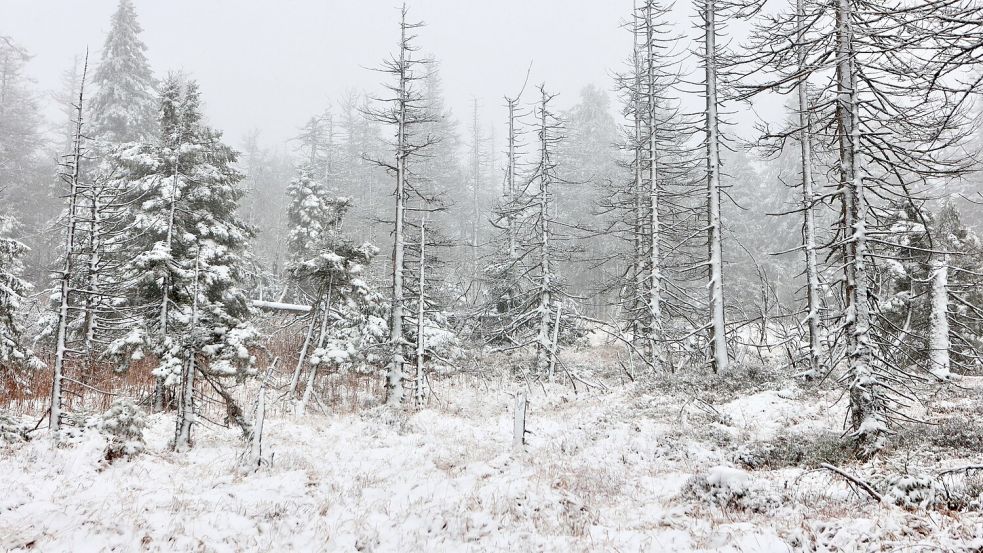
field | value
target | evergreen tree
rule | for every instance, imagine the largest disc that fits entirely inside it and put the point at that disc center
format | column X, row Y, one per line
column 187, row 254
column 13, row 356
column 346, row 323
column 123, row 106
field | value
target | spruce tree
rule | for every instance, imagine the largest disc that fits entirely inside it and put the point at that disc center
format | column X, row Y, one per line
column 14, row 357
column 124, row 104
column 187, row 253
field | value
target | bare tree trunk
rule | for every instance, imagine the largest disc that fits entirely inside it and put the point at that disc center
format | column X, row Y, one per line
column 295, row 379
column 544, row 349
column 309, row 389
column 421, row 313
column 510, row 197
column 556, row 340
column 654, row 232
column 394, row 381
column 519, row 421
column 639, row 230
column 867, row 402
column 718, row 329
column 939, row 345
column 808, row 198
column 61, row 339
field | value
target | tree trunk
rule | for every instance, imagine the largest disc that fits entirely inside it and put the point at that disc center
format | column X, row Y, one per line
column 655, row 259
column 394, row 380
column 421, row 313
column 808, row 198
column 867, row 404
column 718, row 329
column 544, row 347
column 295, row 379
column 938, row 341
column 186, row 397
column 61, row 339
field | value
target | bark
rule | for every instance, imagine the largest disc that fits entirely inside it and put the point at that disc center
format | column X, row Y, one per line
column 295, row 379
column 545, row 348
column 421, row 313
column 808, row 199
column 311, row 376
column 519, row 421
column 61, row 339
column 718, row 330
column 939, row 345
column 394, row 380
column 654, row 302
column 186, row 397
column 867, row 401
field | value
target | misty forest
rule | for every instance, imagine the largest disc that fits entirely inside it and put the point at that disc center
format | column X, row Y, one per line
column 727, row 298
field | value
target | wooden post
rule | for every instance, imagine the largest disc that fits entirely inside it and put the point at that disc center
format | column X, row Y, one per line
column 519, row 428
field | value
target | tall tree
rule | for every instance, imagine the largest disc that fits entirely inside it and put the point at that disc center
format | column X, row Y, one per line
column 25, row 177
column 15, row 358
column 67, row 293
column 891, row 119
column 124, row 102
column 189, row 257
column 710, row 52
column 406, row 112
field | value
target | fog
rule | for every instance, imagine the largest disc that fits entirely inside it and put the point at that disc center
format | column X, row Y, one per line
column 269, row 65
column 550, row 275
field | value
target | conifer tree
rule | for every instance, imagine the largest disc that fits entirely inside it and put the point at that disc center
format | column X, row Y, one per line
column 412, row 113
column 188, row 256
column 14, row 357
column 124, row 102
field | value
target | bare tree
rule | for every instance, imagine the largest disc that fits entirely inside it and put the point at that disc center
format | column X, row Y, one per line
column 405, row 111
column 72, row 176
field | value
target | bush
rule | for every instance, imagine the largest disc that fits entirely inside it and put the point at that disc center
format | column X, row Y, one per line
column 122, row 426
column 910, row 490
column 12, row 431
column 957, row 432
column 965, row 492
column 796, row 449
column 729, row 488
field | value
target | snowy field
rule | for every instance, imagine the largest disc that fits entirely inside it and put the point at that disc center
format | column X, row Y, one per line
column 605, row 471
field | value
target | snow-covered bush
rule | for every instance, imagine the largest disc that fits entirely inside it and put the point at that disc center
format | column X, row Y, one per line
column 962, row 433
column 965, row 492
column 122, row 426
column 12, row 430
column 911, row 490
column 795, row 449
column 729, row 488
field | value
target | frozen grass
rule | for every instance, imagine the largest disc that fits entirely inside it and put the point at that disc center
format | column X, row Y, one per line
column 630, row 469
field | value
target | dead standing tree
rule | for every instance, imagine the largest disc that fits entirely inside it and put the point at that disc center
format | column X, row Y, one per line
column 404, row 111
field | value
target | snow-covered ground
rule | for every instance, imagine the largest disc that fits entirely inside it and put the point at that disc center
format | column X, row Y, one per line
column 601, row 472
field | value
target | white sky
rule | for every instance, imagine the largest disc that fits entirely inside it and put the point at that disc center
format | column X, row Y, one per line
column 270, row 64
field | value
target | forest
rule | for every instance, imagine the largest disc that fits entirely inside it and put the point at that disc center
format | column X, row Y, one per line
column 615, row 319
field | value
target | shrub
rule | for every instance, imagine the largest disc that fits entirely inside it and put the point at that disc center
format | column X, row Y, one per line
column 729, row 488
column 122, row 426
column 12, row 431
column 957, row 432
column 910, row 490
column 796, row 449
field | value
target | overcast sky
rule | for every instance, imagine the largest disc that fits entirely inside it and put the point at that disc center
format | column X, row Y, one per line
column 270, row 64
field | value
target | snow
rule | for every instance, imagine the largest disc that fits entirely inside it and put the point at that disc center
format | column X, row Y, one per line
column 599, row 473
